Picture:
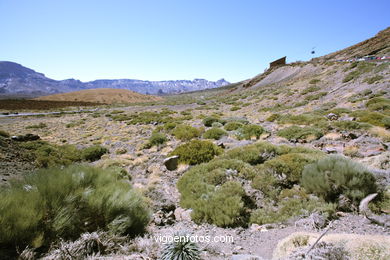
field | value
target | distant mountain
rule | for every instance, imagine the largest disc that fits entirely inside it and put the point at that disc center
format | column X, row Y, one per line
column 18, row 80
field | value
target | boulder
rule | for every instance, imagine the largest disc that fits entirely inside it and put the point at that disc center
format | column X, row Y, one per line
column 332, row 116
column 172, row 162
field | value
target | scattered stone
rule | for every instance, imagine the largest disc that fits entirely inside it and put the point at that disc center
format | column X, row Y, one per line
column 332, row 116
column 172, row 162
column 220, row 144
column 182, row 214
column 246, row 257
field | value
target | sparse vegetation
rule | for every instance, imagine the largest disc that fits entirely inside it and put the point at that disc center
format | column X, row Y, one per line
column 38, row 126
column 310, row 89
column 373, row 79
column 315, row 96
column 4, row 133
column 296, row 133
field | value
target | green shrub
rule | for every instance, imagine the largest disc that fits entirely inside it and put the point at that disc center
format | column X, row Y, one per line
column 75, row 123
column 93, row 153
column 287, row 168
column 315, row 96
column 252, row 154
column 292, row 207
column 380, row 104
column 333, row 176
column 222, row 207
column 310, row 89
column 302, row 119
column 373, row 118
column 214, row 133
column 217, row 124
column 38, row 126
column 157, row 139
column 186, row 132
column 181, row 248
column 208, row 121
column 64, row 203
column 249, row 131
column 373, row 79
column 314, row 81
column 235, row 108
column 169, row 126
column 47, row 155
column 350, row 76
column 196, row 151
column 4, row 133
column 230, row 126
column 295, row 133
column 273, row 117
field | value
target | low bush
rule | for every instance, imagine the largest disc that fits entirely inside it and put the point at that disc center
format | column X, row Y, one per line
column 273, row 117
column 75, row 123
column 50, row 155
column 373, row 118
column 66, row 202
column 196, row 151
column 310, row 89
column 314, row 81
column 302, row 119
column 208, row 121
column 217, row 124
column 292, row 207
column 4, row 133
column 214, row 191
column 235, row 108
column 333, row 176
column 249, row 131
column 373, row 79
column 169, row 126
column 38, row 126
column 230, row 126
column 253, row 154
column 315, row 96
column 157, row 139
column 380, row 104
column 186, row 132
column 222, row 207
column 214, row 133
column 287, row 168
column 93, row 153
column 296, row 133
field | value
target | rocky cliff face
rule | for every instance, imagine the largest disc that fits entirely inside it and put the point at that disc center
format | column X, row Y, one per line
column 18, row 80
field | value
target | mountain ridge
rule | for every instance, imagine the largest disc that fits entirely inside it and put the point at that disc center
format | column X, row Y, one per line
column 15, row 79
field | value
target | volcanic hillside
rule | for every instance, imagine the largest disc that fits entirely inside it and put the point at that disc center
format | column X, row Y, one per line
column 102, row 95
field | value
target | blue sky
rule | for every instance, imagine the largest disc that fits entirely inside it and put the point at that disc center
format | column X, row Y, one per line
column 178, row 39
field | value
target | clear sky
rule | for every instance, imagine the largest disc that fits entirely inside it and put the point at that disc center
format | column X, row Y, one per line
column 178, row 39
